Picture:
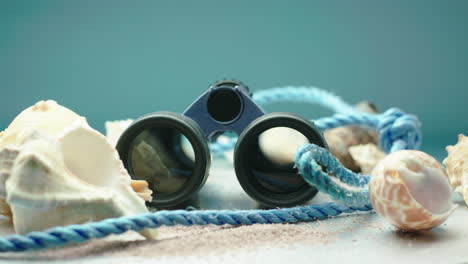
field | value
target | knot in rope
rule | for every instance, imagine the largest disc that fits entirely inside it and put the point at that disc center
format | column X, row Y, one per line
column 398, row 130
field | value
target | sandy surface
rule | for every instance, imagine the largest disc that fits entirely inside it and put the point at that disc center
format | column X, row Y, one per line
column 362, row 237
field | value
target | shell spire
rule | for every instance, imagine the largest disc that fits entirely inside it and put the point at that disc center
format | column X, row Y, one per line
column 56, row 170
column 457, row 166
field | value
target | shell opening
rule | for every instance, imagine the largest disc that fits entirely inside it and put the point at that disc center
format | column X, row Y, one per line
column 427, row 184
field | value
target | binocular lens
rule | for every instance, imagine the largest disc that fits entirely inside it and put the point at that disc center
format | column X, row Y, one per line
column 264, row 159
column 273, row 159
column 157, row 156
column 168, row 151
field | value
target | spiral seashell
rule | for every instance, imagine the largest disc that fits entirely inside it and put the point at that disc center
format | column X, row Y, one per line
column 85, row 162
column 410, row 190
column 75, row 178
column 45, row 116
column 340, row 139
column 366, row 156
column 52, row 119
column 457, row 166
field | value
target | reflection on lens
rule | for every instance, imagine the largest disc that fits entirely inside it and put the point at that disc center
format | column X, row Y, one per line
column 273, row 146
column 272, row 159
column 187, row 147
column 159, row 156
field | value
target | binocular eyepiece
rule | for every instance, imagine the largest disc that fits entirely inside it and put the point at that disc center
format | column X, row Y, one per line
column 170, row 150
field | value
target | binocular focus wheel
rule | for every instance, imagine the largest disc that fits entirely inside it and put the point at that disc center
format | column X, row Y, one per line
column 271, row 183
column 170, row 152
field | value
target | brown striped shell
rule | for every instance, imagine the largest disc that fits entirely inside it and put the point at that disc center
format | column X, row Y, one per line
column 366, row 156
column 410, row 190
column 341, row 139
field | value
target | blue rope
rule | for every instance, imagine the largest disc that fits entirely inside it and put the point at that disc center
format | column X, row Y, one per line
column 394, row 127
column 317, row 165
column 60, row 236
column 292, row 94
column 321, row 169
column 217, row 149
column 303, row 95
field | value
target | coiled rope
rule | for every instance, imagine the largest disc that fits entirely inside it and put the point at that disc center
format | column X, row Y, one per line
column 317, row 165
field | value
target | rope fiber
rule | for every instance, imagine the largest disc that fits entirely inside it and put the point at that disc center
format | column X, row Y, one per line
column 317, row 165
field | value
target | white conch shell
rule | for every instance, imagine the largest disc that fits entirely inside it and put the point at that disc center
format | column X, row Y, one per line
column 115, row 128
column 410, row 189
column 7, row 158
column 457, row 166
column 74, row 149
column 48, row 119
column 45, row 116
column 75, row 179
column 366, row 156
column 52, row 119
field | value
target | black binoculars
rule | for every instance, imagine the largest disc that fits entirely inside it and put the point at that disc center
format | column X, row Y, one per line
column 170, row 150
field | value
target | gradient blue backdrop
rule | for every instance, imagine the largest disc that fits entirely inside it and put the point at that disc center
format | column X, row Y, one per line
column 118, row 59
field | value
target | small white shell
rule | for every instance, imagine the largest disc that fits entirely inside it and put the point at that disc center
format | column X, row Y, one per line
column 115, row 128
column 366, row 156
column 457, row 166
column 410, row 189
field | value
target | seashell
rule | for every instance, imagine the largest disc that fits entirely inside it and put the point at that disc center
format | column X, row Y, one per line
column 410, row 189
column 457, row 166
column 7, row 158
column 141, row 189
column 5, row 210
column 45, row 116
column 342, row 138
column 52, row 119
column 366, row 156
column 59, row 181
column 114, row 129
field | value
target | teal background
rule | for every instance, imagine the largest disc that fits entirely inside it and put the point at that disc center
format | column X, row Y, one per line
column 111, row 60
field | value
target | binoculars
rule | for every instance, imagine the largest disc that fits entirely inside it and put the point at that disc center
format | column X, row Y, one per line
column 170, row 150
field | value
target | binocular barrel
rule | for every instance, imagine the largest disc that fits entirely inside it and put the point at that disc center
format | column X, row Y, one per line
column 170, row 150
